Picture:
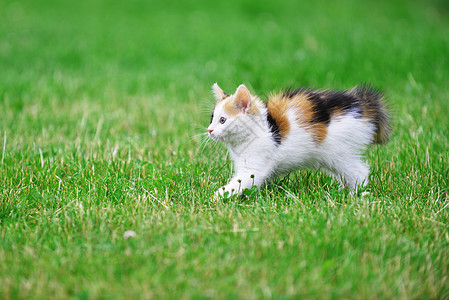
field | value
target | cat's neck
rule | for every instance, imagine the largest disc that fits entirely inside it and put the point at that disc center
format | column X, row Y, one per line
column 255, row 136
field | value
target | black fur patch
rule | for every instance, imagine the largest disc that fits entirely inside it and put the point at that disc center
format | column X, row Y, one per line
column 325, row 103
column 371, row 101
column 274, row 128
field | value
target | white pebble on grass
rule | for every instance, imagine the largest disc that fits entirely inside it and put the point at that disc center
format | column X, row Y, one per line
column 129, row 234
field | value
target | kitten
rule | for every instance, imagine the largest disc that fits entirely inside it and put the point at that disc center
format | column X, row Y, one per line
column 304, row 128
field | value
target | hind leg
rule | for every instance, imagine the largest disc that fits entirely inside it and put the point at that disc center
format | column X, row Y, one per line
column 351, row 173
column 356, row 175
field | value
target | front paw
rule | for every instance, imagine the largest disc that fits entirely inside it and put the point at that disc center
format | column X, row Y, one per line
column 224, row 192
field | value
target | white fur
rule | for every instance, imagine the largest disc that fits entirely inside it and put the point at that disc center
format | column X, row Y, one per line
column 254, row 152
column 218, row 92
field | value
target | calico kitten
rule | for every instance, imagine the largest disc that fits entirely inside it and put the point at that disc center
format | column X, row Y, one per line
column 303, row 128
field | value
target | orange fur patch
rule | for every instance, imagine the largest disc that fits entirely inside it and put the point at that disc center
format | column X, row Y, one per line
column 232, row 108
column 253, row 109
column 319, row 131
column 305, row 115
column 278, row 107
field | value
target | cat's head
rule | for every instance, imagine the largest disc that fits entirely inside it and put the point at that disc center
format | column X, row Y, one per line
column 234, row 115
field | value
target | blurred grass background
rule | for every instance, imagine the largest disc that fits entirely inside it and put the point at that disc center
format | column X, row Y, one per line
column 100, row 102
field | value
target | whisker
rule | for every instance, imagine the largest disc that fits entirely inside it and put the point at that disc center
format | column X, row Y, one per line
column 207, row 103
column 200, row 134
column 206, row 141
column 196, row 136
column 215, row 145
column 200, row 127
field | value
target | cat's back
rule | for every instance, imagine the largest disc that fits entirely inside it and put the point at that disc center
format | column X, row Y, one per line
column 314, row 113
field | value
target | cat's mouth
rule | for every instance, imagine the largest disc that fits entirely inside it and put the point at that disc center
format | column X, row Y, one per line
column 215, row 137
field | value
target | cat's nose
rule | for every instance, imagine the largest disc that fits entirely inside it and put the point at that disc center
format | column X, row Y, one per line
column 210, row 130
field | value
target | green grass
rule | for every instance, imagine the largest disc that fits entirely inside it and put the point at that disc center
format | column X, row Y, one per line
column 99, row 104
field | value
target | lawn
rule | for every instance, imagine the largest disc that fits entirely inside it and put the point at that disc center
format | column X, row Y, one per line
column 102, row 104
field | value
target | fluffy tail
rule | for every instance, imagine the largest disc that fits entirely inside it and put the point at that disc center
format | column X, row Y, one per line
column 374, row 108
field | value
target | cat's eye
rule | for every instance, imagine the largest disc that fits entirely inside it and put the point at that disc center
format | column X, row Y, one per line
column 222, row 120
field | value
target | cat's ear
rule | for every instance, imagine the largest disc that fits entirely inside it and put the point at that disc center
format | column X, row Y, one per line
column 218, row 92
column 242, row 97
